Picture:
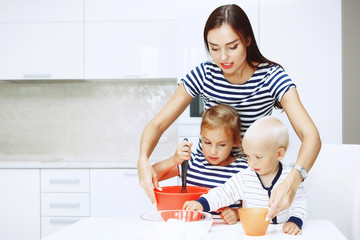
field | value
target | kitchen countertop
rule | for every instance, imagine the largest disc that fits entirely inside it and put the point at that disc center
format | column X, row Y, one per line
column 25, row 162
column 123, row 228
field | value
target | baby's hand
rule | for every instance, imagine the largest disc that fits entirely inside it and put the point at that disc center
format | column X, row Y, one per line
column 229, row 215
column 193, row 205
column 291, row 228
column 183, row 152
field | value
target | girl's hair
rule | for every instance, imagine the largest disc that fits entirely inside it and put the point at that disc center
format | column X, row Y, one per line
column 233, row 15
column 224, row 116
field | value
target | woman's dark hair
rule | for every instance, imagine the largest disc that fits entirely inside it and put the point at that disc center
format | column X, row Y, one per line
column 233, row 15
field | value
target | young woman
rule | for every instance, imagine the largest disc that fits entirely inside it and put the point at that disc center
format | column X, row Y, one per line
column 241, row 77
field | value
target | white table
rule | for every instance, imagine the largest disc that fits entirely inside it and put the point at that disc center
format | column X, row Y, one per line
column 128, row 229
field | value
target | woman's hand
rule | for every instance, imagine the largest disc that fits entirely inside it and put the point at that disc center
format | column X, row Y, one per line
column 229, row 215
column 147, row 179
column 283, row 195
column 291, row 228
column 193, row 205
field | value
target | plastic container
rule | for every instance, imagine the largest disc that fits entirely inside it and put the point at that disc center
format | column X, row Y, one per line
column 171, row 198
column 253, row 221
column 176, row 224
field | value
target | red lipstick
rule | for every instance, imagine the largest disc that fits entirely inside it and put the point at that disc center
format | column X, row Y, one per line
column 227, row 66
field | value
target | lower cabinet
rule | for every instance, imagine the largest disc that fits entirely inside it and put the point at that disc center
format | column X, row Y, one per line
column 35, row 203
column 20, row 204
column 65, row 198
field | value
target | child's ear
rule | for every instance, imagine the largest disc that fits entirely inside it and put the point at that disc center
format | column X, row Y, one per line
column 281, row 153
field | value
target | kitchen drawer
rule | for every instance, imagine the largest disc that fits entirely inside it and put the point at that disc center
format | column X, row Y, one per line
column 65, row 204
column 67, row 180
column 50, row 225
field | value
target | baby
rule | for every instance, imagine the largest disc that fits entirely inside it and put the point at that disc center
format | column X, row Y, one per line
column 264, row 143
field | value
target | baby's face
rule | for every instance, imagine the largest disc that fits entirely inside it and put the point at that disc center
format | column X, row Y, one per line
column 217, row 145
column 262, row 155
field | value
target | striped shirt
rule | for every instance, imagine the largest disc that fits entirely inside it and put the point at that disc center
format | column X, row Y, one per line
column 253, row 99
column 202, row 173
column 247, row 186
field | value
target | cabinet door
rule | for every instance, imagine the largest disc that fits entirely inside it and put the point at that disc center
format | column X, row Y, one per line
column 41, row 10
column 117, row 193
column 20, row 204
column 115, row 10
column 41, row 50
column 139, row 49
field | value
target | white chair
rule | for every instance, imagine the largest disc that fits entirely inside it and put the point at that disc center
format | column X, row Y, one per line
column 333, row 188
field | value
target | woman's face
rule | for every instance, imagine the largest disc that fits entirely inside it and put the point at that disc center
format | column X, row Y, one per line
column 217, row 145
column 227, row 49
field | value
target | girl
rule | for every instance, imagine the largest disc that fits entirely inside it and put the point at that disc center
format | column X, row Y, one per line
column 214, row 164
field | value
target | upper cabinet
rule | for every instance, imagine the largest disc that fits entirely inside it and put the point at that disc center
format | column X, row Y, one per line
column 134, row 49
column 115, row 10
column 87, row 39
column 41, row 11
column 135, row 39
column 41, row 39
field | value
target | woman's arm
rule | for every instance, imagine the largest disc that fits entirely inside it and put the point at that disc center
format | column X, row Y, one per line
column 151, row 134
column 283, row 195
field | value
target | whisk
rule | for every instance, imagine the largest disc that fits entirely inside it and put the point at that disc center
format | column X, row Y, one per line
column 184, row 168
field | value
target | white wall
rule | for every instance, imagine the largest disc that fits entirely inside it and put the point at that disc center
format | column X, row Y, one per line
column 305, row 38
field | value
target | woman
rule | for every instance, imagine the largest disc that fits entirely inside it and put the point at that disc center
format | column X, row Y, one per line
column 241, row 77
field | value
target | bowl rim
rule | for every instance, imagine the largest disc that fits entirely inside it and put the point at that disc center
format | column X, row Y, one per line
column 205, row 190
column 208, row 216
column 258, row 209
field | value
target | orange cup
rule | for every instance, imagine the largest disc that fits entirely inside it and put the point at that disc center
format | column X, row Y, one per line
column 253, row 221
column 171, row 198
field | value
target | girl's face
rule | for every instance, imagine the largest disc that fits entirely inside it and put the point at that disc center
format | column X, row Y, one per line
column 262, row 156
column 217, row 145
column 227, row 49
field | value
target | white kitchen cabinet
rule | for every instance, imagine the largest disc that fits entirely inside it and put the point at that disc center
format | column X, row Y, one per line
column 114, row 10
column 41, row 51
column 117, row 193
column 41, row 10
column 19, row 204
column 133, row 49
column 65, row 198
column 41, row 39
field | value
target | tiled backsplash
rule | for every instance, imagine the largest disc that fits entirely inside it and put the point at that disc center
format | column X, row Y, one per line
column 82, row 120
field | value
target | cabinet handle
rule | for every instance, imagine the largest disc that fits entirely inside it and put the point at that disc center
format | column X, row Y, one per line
column 63, row 221
column 135, row 75
column 64, row 181
column 64, row 205
column 37, row 75
column 131, row 173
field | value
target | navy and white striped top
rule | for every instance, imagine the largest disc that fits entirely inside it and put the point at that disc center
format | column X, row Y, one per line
column 201, row 173
column 253, row 99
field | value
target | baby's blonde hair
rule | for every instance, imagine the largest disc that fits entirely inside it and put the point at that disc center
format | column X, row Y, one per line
column 273, row 128
column 224, row 116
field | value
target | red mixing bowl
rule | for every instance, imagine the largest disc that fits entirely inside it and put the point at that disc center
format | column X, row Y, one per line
column 171, row 198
